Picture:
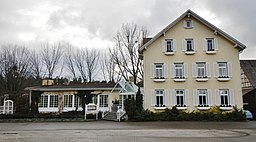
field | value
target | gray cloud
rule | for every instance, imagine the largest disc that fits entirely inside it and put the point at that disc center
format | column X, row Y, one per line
column 102, row 19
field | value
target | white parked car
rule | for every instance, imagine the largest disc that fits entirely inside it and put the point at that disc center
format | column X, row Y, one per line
column 248, row 115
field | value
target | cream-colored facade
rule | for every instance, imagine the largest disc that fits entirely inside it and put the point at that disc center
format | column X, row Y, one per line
column 192, row 65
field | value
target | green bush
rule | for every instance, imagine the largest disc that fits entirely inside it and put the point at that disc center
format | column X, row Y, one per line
column 214, row 114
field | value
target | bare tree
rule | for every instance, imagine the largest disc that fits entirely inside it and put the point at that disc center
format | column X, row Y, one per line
column 125, row 52
column 80, row 63
column 108, row 66
column 51, row 56
column 14, row 68
column 37, row 65
column 91, row 60
column 70, row 60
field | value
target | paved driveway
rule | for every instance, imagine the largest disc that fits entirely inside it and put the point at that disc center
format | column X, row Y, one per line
column 106, row 131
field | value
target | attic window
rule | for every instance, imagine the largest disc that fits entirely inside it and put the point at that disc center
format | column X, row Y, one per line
column 188, row 24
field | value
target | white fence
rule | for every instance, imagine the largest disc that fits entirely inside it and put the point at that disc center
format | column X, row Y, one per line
column 7, row 108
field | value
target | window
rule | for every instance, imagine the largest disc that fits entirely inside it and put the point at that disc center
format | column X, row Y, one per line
column 189, row 45
column 188, row 24
column 210, row 44
column 68, row 100
column 43, row 102
column 103, row 100
column 168, row 46
column 54, row 99
column 159, row 95
column 224, row 98
column 202, row 98
column 179, row 70
column 223, row 71
column 78, row 102
column 180, row 98
column 159, row 72
column 48, row 101
column 201, row 71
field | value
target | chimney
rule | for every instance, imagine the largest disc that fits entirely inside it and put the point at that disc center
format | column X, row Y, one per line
column 47, row 82
column 131, row 79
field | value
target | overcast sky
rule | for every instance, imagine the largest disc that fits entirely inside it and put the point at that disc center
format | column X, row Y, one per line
column 93, row 23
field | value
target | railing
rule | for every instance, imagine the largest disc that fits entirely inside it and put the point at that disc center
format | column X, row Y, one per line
column 120, row 113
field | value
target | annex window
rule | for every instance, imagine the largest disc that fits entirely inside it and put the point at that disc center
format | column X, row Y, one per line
column 43, row 102
column 103, row 101
column 48, row 101
column 78, row 102
column 54, row 99
column 188, row 24
column 68, row 100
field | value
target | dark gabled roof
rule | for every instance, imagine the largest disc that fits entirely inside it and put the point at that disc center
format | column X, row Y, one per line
column 189, row 12
column 249, row 68
column 75, row 87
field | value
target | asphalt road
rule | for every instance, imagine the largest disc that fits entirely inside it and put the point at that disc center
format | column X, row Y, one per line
column 106, row 131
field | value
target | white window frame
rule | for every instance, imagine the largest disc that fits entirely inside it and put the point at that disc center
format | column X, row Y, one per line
column 179, row 70
column 182, row 74
column 159, row 72
column 47, row 105
column 224, row 93
column 213, row 44
column 103, row 100
column 180, row 94
column 189, row 46
column 188, row 24
column 223, row 71
column 203, row 93
column 159, row 94
column 165, row 46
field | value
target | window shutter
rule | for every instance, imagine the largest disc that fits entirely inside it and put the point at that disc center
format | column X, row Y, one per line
column 217, row 97
column 172, row 70
column 208, row 70
column 204, row 43
column 186, row 97
column 216, row 44
column 152, row 68
column 195, row 95
column 195, row 45
column 184, row 45
column 192, row 24
column 216, row 73
column 153, row 98
column 185, row 70
column 194, row 70
column 165, row 71
column 174, row 45
column 232, row 97
column 166, row 97
column 184, row 24
column 164, row 46
column 174, row 102
column 209, row 97
column 229, row 69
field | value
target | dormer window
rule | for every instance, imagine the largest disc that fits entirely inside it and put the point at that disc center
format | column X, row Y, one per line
column 188, row 24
